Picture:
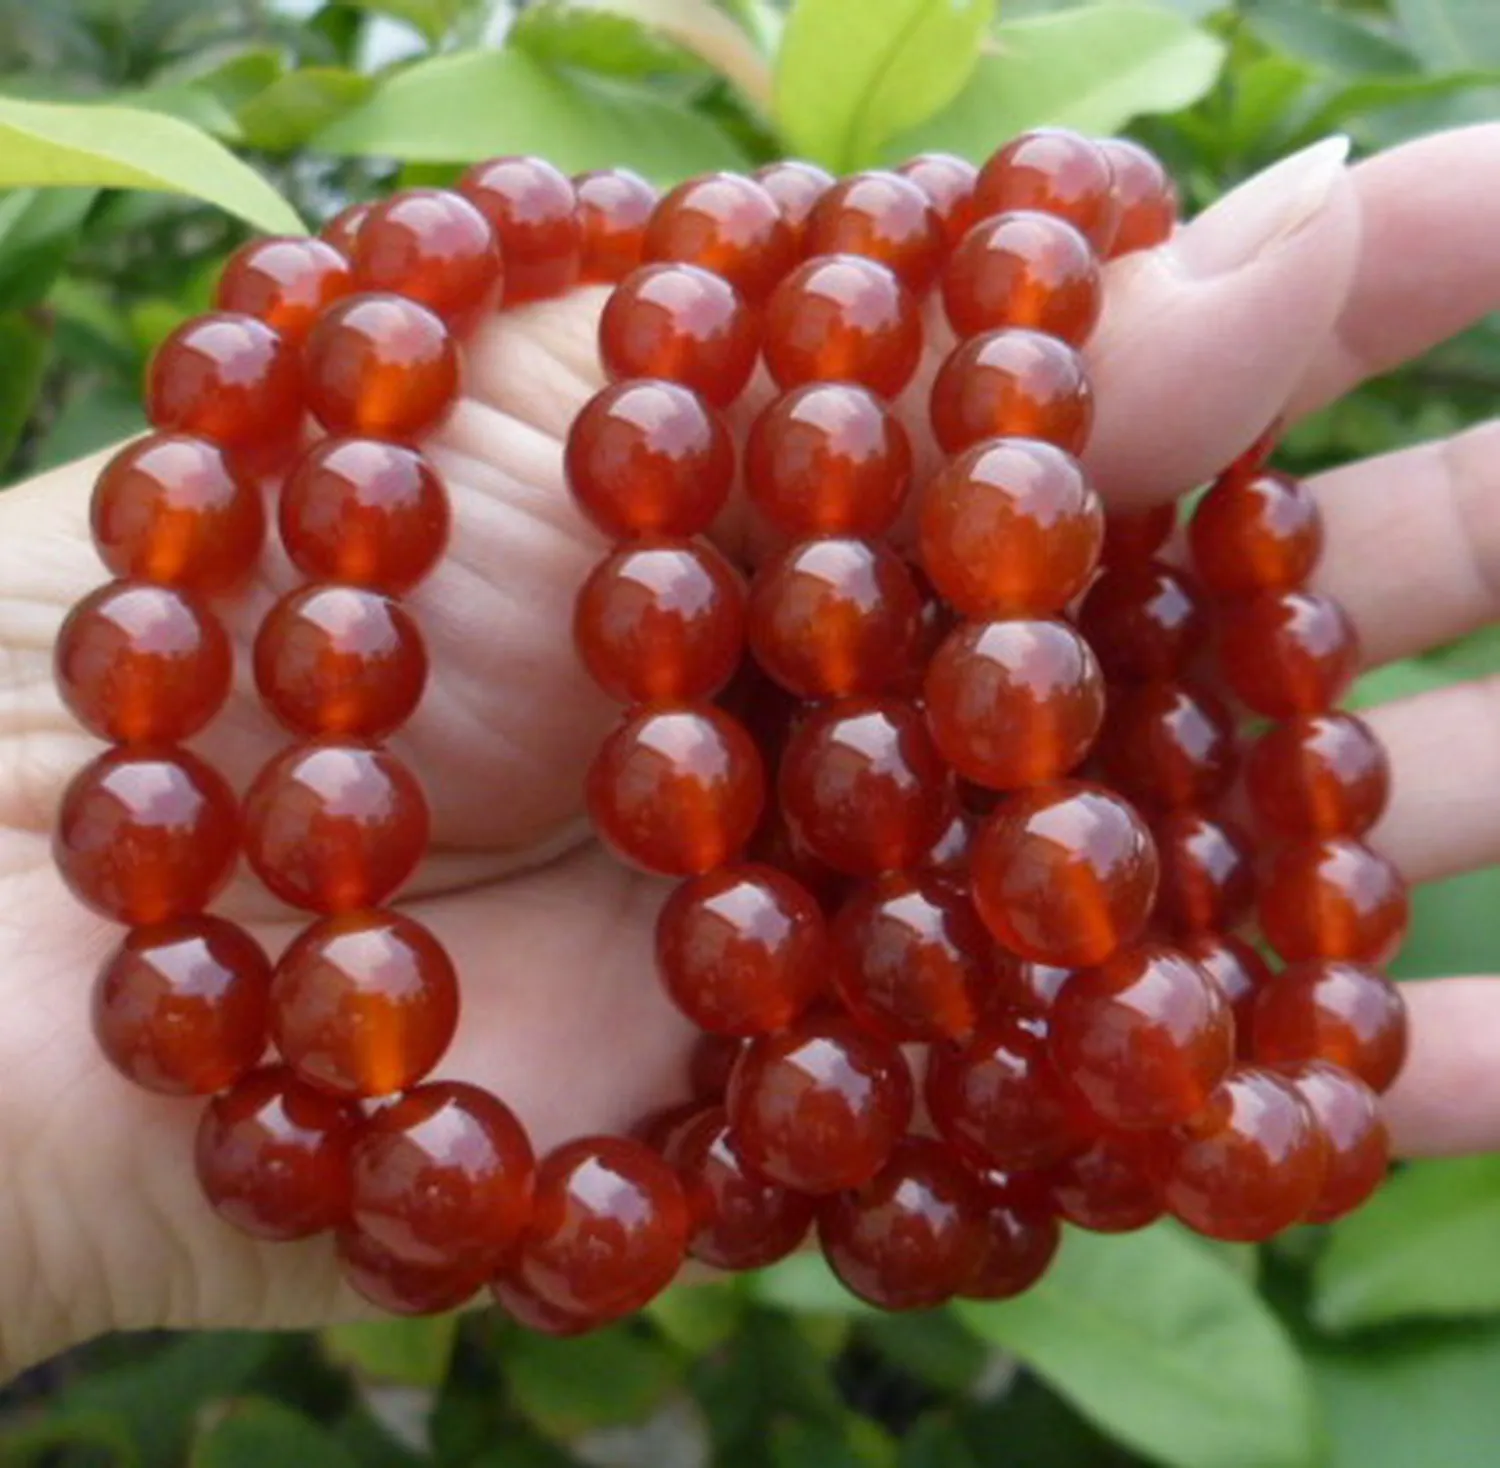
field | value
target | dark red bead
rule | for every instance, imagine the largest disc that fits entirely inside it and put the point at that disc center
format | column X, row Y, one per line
column 948, row 181
column 727, row 224
column 1114, row 1185
column 1323, row 775
column 1259, row 532
column 1058, row 172
column 1237, row 968
column 1207, row 873
column 796, row 187
column 1146, row 193
column 433, row 246
column 401, row 1288
column 1168, row 744
column 1134, row 536
column 1021, row 1240
column 614, row 206
column 1144, row 620
column 1332, row 897
column 534, row 212
column 1285, row 653
column 880, row 216
column 1012, row 383
column 285, row 282
column 1356, row 1145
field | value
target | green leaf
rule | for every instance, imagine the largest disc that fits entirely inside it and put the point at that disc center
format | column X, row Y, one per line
column 851, row 73
column 458, row 109
column 253, row 1434
column 612, row 1376
column 1362, row 99
column 25, row 346
column 1336, row 39
column 89, row 421
column 45, row 144
column 598, row 38
column 294, row 107
column 935, row 1441
column 1425, row 1245
column 804, row 1282
column 40, row 1440
column 1165, row 1347
column 432, row 18
column 38, row 228
column 411, row 1352
column 798, row 1444
column 932, row 1345
column 1453, row 929
column 1093, row 69
column 1450, row 35
column 697, row 1317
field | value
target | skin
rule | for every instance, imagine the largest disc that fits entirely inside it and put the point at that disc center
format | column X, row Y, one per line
column 1304, row 283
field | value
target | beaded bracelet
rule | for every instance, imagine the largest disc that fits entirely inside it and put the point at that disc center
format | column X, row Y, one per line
column 942, row 785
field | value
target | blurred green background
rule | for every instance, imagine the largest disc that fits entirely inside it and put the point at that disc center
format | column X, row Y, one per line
column 1375, row 1344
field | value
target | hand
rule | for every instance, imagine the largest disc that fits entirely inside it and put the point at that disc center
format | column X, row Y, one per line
column 1303, row 283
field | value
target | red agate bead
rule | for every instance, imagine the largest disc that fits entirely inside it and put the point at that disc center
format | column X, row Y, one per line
column 147, row 834
column 181, row 1008
column 534, row 213
column 880, row 216
column 433, row 246
column 1024, row 986
column 677, row 791
column 382, row 365
column 1020, row 1241
column 1168, row 744
column 1323, row 775
column 285, row 282
column 364, row 1003
column 796, row 187
column 661, row 620
column 1065, row 874
column 333, row 827
column 343, row 229
column 1146, row 194
column 137, row 663
column 948, row 181
column 1058, row 172
column 442, row 1177
column 522, row 1304
column 1285, row 653
column 1237, row 968
column 1332, row 897
column 614, row 206
column 845, row 318
column 1144, row 620
column 1132, row 537
column 1356, row 1145
column 742, row 950
column 820, row 1105
column 399, row 1287
column 1114, row 1185
column 365, row 512
column 1207, row 876
column 272, row 1156
column 710, row 1062
column 681, row 323
column 1010, row 528
column 1260, row 532
column 725, row 223
column 1251, row 1163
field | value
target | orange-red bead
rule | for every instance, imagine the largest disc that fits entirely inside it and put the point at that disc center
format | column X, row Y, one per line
column 862, row 784
column 614, row 206
column 948, row 181
column 1332, row 897
column 1020, row 1242
column 1143, row 620
column 1146, row 194
column 1058, row 172
column 1323, row 775
column 284, row 281
column 727, row 224
column 146, row 834
column 1207, row 877
column 1134, row 536
column 139, row 663
column 1254, row 533
column 796, row 187
column 382, row 365
column 661, row 620
column 1356, row 1145
column 1065, row 874
column 677, row 791
column 881, row 216
column 828, row 458
column 333, row 827
column 1012, row 383
column 534, row 212
column 710, row 1062
column 340, row 660
column 845, row 318
column 1166, row 744
column 1114, row 1185
column 1287, row 652
column 681, row 323
column 433, row 246
column 181, row 1008
column 1024, row 986
column 400, row 1288
column 1237, row 968
column 742, row 950
column 364, row 1003
column 342, row 231
column 1014, row 703
column 365, row 512
column 522, row 1304
column 1010, row 528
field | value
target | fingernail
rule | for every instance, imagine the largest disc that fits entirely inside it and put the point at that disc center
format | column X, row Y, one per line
column 1259, row 214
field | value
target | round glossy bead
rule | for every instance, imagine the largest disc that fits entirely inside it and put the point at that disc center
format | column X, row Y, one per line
column 401, row 1288
column 442, row 1177
column 381, row 365
column 1012, row 383
column 998, row 1102
column 880, row 216
column 340, row 660
column 834, row 617
column 145, row 835
column 181, row 1008
column 948, row 181
column 1251, row 1163
column 710, row 1062
column 1010, row 528
column 863, row 786
column 229, row 378
column 911, row 959
column 796, row 187
column 1287, row 652
column 661, row 620
column 819, row 1106
column 1237, row 968
column 534, row 212
column 168, row 509
column 342, row 231
column 1023, row 269
column 1057, row 172
column 1207, row 876
column 1146, row 194
column 1022, row 986
column 681, row 323
column 828, row 458
column 1021, row 1240
column 609, row 1228
column 614, row 206
column 365, row 512
column 433, row 246
column 742, row 950
column 333, row 827
column 1356, row 1145
column 740, row 1220
column 364, row 1004
column 272, row 1156
column 1114, row 1185
column 1166, row 744
column 1345, row 1013
column 139, row 663
column 522, row 1304
column 1322, row 775
column 845, row 318
column 1014, row 703
column 1332, row 897
column 911, row 1237
column 949, row 854
column 1146, row 1036
column 285, row 282
column 1143, row 620
column 1258, row 532
column 1065, row 874
column 728, row 224
column 1134, row 537
column 677, row 791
